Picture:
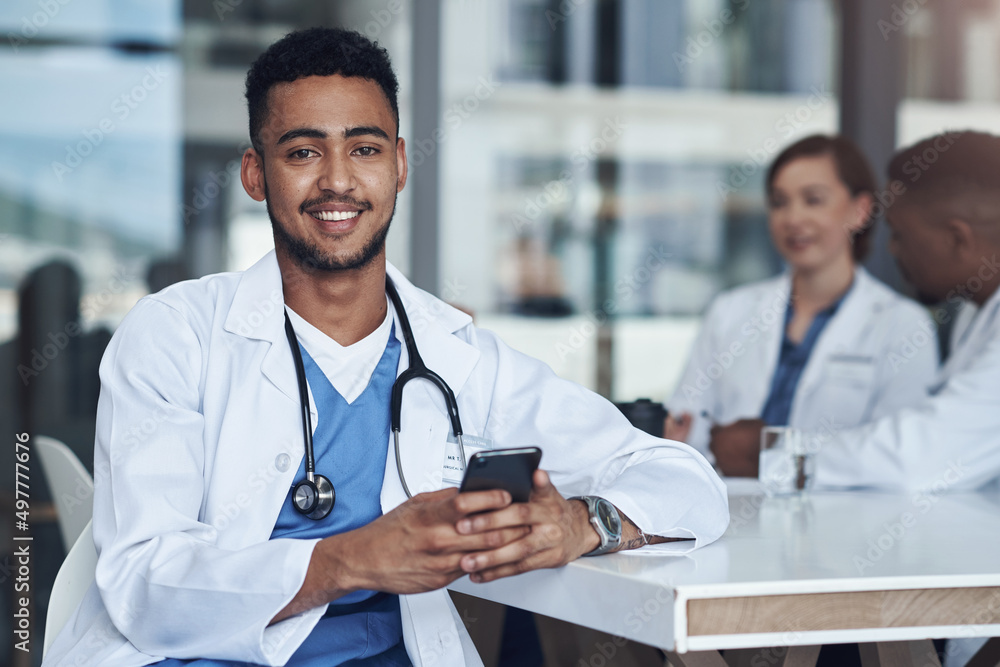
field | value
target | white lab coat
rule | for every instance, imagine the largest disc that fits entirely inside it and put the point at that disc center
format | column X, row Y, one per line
column 199, row 438
column 877, row 354
column 950, row 441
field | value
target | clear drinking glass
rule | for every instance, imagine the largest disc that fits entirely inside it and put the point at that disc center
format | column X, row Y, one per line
column 786, row 467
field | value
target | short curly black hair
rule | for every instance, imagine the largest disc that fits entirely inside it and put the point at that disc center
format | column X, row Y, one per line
column 316, row 52
column 952, row 175
column 949, row 167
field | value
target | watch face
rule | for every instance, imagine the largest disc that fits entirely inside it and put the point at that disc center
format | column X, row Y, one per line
column 608, row 516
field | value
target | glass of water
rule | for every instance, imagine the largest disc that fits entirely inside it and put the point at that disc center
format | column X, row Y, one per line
column 786, row 467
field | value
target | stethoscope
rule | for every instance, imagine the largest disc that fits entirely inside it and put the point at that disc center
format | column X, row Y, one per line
column 314, row 496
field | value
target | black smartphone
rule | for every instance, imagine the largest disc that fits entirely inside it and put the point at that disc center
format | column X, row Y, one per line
column 508, row 469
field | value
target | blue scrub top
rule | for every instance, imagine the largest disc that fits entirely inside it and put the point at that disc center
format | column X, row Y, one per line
column 363, row 628
column 792, row 362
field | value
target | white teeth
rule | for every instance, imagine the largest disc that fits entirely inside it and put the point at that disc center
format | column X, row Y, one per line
column 332, row 216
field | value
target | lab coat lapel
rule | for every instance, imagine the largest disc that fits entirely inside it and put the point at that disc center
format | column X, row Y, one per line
column 424, row 425
column 984, row 327
column 257, row 312
column 765, row 360
column 840, row 334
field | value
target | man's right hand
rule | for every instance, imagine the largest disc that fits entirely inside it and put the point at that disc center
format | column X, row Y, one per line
column 413, row 549
column 416, row 547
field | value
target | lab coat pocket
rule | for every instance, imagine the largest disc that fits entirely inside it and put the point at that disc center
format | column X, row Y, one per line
column 851, row 370
column 846, row 395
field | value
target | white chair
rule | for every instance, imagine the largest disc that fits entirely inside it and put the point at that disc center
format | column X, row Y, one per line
column 70, row 484
column 74, row 578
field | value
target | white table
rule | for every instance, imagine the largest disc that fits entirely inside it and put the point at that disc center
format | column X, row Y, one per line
column 821, row 569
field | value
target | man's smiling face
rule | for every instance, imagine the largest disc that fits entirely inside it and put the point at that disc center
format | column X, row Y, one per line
column 330, row 170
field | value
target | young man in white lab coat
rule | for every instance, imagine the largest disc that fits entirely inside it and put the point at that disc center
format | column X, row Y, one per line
column 946, row 239
column 200, row 426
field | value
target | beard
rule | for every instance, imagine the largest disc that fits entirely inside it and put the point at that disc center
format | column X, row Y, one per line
column 309, row 256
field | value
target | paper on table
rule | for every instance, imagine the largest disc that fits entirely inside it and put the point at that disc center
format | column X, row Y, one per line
column 665, row 549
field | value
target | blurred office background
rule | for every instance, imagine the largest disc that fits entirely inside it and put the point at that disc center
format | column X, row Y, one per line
column 585, row 174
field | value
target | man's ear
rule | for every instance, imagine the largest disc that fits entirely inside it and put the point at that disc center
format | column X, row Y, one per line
column 961, row 237
column 252, row 174
column 401, row 165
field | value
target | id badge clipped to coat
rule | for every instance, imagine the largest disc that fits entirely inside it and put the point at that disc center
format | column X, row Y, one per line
column 452, row 470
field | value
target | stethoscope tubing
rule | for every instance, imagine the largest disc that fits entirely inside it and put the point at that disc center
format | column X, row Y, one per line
column 300, row 375
column 416, row 369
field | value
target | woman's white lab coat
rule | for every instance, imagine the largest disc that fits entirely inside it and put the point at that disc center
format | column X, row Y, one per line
column 199, row 436
column 877, row 354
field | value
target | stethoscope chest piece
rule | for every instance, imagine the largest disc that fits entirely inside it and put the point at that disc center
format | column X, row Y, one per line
column 314, row 498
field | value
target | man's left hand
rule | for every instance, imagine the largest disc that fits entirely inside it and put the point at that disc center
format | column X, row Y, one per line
column 560, row 533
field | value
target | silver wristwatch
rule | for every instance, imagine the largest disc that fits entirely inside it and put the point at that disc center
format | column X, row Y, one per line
column 605, row 520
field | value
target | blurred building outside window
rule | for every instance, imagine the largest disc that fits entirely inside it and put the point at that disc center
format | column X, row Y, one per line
column 617, row 149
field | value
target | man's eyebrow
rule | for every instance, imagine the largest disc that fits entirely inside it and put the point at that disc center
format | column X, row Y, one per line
column 308, row 132
column 364, row 130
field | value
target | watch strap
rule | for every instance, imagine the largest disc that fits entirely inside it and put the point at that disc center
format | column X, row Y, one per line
column 609, row 541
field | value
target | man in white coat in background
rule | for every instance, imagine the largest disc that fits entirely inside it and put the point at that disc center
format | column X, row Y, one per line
column 946, row 239
column 203, row 556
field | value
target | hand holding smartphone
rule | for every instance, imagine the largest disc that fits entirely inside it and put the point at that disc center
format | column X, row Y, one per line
column 508, row 469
